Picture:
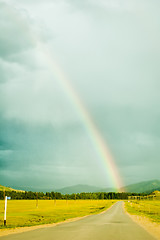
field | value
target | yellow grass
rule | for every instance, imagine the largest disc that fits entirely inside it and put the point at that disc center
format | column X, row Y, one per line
column 148, row 208
column 22, row 213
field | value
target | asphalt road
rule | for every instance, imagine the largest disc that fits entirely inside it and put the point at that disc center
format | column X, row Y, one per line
column 113, row 224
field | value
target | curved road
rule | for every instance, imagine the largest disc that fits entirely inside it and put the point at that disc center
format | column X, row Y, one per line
column 113, row 224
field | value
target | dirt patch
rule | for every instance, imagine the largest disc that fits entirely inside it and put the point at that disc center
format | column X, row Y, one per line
column 153, row 228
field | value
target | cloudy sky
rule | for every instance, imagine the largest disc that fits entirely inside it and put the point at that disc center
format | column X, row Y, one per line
column 109, row 52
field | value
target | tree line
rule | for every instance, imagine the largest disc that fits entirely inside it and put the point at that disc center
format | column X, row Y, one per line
column 57, row 195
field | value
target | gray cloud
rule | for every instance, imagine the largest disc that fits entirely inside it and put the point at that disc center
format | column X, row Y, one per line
column 16, row 34
column 109, row 51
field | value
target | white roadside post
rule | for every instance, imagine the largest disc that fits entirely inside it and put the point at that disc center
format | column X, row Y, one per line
column 5, row 210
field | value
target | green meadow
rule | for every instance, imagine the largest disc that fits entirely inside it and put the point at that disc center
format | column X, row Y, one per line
column 21, row 213
column 147, row 208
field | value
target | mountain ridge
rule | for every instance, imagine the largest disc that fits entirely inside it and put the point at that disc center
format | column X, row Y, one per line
column 140, row 187
column 78, row 189
column 145, row 186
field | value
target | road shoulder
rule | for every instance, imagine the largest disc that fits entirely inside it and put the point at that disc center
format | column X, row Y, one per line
column 5, row 232
column 151, row 227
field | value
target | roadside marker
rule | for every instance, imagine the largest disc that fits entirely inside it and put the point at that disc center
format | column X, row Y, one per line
column 5, row 210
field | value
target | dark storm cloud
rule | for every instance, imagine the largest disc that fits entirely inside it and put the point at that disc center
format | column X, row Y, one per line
column 33, row 151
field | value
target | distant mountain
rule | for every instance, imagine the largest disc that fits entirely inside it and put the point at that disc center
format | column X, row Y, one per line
column 107, row 190
column 143, row 187
column 146, row 187
column 78, row 189
column 3, row 188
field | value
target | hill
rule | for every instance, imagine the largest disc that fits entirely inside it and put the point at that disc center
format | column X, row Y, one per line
column 78, row 189
column 3, row 188
column 156, row 193
column 143, row 187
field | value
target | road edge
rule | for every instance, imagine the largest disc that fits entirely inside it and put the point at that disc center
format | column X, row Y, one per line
column 6, row 232
column 151, row 227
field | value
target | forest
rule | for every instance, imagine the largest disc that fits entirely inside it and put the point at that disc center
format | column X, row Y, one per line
column 56, row 195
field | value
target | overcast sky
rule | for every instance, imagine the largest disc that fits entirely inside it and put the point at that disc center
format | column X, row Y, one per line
column 109, row 51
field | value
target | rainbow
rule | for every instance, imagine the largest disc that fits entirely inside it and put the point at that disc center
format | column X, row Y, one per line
column 95, row 136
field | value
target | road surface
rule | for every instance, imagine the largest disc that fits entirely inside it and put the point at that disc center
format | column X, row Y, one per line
column 113, row 224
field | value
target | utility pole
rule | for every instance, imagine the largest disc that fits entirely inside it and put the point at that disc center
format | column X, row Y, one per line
column 66, row 199
column 37, row 200
column 55, row 196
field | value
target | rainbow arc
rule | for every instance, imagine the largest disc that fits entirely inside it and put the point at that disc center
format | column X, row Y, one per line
column 97, row 140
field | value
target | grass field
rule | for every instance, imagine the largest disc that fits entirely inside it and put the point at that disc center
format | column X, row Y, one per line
column 22, row 213
column 150, row 209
